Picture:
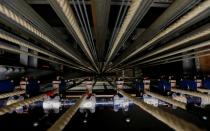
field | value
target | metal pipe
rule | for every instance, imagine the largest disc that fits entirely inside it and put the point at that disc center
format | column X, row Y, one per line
column 171, row 120
column 60, row 124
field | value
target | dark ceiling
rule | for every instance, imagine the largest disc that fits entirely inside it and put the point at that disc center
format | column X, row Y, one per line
column 99, row 23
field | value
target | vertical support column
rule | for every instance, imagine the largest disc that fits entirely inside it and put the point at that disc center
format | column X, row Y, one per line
column 146, row 82
column 187, row 65
column 100, row 14
column 123, row 73
column 137, row 72
column 120, row 83
column 128, row 72
column 89, row 86
column 172, row 82
column 2, row 52
column 23, row 57
column 61, row 68
column 33, row 61
column 204, row 63
column 56, row 84
column 197, row 64
column 2, row 72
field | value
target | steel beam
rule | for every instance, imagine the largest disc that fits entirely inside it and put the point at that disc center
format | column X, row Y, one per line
column 23, row 57
column 100, row 13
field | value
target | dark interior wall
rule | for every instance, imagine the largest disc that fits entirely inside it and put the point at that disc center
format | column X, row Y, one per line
column 9, row 59
column 205, row 64
column 165, row 69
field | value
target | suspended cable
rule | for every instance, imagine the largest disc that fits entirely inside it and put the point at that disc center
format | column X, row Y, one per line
column 191, row 17
column 17, row 92
column 82, row 22
column 90, row 31
column 171, row 120
column 20, row 21
column 115, row 26
column 60, row 124
column 21, row 42
column 7, row 47
column 64, row 11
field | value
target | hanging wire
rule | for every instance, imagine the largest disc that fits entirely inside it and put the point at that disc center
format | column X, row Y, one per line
column 136, row 13
column 82, row 21
column 79, row 17
column 85, row 24
column 87, row 18
column 120, row 23
column 115, row 27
